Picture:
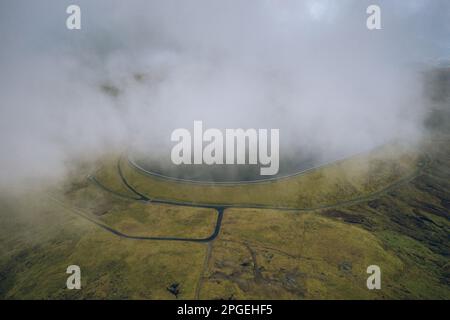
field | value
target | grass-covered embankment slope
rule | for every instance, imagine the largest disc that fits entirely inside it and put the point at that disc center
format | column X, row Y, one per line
column 342, row 181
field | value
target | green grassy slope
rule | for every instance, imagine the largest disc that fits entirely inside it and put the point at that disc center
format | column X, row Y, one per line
column 259, row 253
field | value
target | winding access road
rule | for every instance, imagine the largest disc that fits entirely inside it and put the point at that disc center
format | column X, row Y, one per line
column 219, row 208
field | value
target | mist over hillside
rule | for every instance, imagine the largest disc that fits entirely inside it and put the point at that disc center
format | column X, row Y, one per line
column 140, row 69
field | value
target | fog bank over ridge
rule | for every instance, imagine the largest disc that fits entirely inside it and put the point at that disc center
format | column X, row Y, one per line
column 140, row 69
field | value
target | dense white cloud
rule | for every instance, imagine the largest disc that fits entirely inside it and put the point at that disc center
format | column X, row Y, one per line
column 139, row 69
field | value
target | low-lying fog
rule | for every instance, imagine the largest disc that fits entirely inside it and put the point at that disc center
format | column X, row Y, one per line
column 139, row 69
